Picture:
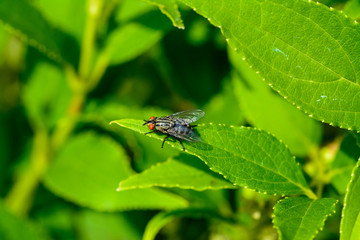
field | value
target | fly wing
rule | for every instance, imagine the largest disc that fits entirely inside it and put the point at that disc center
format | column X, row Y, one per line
column 188, row 116
column 191, row 136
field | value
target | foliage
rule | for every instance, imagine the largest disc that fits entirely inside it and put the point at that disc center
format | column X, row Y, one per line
column 278, row 81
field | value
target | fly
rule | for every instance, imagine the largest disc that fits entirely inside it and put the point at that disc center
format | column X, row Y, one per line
column 176, row 125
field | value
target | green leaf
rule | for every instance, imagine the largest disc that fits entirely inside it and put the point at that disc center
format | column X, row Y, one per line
column 245, row 156
column 352, row 9
column 312, row 60
column 301, row 218
column 135, row 34
column 50, row 105
column 170, row 9
column 163, row 218
column 15, row 228
column 93, row 225
column 268, row 111
column 146, row 153
column 344, row 162
column 350, row 221
column 67, row 15
column 37, row 31
column 130, row 41
column 223, row 107
column 87, row 170
column 184, row 171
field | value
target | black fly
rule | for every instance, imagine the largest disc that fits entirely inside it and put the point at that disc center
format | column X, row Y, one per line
column 176, row 125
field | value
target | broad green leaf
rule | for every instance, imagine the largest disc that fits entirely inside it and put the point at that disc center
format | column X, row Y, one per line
column 350, row 221
column 132, row 9
column 87, row 171
column 163, row 218
column 50, row 105
column 130, row 41
column 352, row 9
column 344, row 162
column 170, row 9
column 301, row 218
column 147, row 152
column 184, row 171
column 267, row 111
column 93, row 225
column 67, row 15
column 247, row 157
column 15, row 228
column 312, row 60
column 223, row 107
column 135, row 33
column 37, row 31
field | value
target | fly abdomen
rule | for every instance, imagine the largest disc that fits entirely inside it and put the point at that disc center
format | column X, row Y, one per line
column 182, row 129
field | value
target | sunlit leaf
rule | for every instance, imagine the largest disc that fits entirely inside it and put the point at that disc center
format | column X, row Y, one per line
column 352, row 9
column 163, row 218
column 344, row 162
column 301, row 218
column 130, row 41
column 39, row 33
column 87, row 172
column 135, row 34
column 245, row 156
column 46, row 106
column 265, row 110
column 93, row 225
column 312, row 60
column 350, row 222
column 15, row 228
column 147, row 152
column 170, row 9
column 67, row 15
column 223, row 107
column 184, row 171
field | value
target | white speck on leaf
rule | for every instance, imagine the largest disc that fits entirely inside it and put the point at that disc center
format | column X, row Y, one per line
column 275, row 49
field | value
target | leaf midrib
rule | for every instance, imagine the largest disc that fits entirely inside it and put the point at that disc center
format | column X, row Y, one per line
column 201, row 157
column 261, row 166
column 306, row 56
column 302, row 219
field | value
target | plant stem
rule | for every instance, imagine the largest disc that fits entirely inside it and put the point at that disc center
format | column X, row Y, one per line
column 87, row 48
column 310, row 194
column 19, row 198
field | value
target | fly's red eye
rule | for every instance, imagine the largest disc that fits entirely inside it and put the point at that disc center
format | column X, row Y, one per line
column 151, row 125
column 151, row 118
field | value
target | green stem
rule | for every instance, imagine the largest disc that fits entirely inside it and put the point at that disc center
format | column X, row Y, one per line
column 94, row 8
column 66, row 126
column 19, row 198
column 310, row 194
column 99, row 69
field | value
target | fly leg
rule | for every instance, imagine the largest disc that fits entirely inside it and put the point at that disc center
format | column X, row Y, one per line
column 151, row 132
column 162, row 145
column 181, row 144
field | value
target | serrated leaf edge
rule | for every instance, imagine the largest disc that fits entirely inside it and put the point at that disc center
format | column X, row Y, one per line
column 306, row 191
column 316, row 232
column 357, row 166
column 120, row 188
column 312, row 115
